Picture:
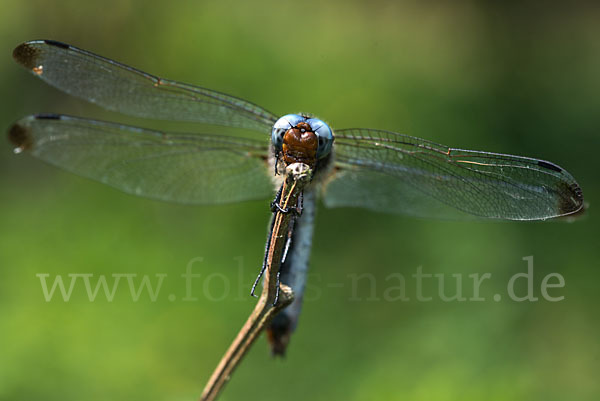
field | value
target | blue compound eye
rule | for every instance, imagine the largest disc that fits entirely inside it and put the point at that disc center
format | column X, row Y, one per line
column 324, row 134
column 281, row 126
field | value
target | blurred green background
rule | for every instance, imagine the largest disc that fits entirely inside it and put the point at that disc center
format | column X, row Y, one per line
column 513, row 78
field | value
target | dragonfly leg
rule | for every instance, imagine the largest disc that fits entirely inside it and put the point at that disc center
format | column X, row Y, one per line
column 297, row 210
column 264, row 268
column 288, row 243
column 260, row 274
column 275, row 203
column 286, row 210
column 276, row 164
column 277, row 289
column 275, row 207
column 264, row 264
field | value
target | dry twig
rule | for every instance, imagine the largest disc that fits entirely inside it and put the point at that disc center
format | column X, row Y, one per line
column 297, row 176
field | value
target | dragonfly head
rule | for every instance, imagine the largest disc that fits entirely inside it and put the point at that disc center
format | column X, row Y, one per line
column 301, row 139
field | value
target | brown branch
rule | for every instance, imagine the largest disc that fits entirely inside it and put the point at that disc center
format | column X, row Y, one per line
column 297, row 175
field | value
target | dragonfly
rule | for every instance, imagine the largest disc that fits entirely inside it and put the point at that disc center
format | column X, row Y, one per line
column 354, row 167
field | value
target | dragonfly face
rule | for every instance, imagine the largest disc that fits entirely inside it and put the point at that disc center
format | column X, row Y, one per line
column 374, row 169
column 301, row 139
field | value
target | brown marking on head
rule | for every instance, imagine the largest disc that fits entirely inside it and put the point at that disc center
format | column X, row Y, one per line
column 300, row 145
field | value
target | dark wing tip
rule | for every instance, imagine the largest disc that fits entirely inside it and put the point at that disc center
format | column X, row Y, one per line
column 572, row 203
column 27, row 55
column 20, row 136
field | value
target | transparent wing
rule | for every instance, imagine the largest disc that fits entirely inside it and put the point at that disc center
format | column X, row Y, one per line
column 124, row 89
column 184, row 168
column 391, row 172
